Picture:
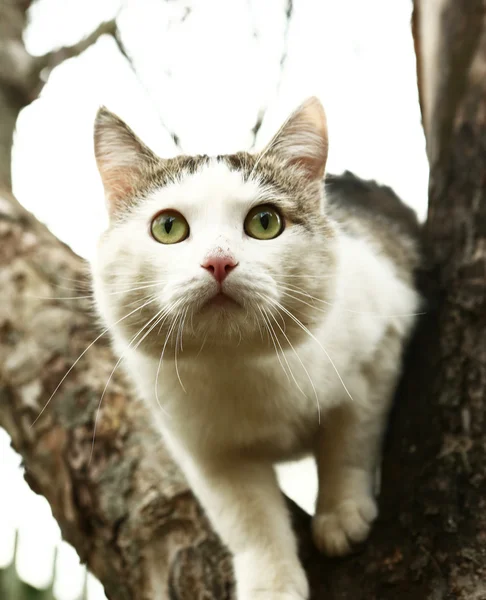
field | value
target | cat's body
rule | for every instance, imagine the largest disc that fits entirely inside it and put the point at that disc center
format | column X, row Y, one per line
column 241, row 402
column 261, row 349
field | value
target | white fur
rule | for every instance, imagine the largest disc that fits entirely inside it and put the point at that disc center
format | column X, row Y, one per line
column 229, row 412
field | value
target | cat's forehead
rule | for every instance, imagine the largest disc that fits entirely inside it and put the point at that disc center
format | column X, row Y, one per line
column 214, row 183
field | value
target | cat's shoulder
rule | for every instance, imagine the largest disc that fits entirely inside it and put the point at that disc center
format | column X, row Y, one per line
column 367, row 209
column 367, row 198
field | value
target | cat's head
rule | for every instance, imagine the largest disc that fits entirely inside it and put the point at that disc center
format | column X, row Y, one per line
column 224, row 251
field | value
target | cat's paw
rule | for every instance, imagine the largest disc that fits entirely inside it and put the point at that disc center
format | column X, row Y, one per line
column 349, row 523
column 299, row 590
column 273, row 582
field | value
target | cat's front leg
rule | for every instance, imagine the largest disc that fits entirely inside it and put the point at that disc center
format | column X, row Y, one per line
column 247, row 509
column 347, row 456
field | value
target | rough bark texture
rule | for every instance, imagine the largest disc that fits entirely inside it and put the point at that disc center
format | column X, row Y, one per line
column 430, row 541
column 126, row 508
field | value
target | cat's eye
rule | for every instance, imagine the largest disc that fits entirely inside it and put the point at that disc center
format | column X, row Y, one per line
column 169, row 227
column 263, row 223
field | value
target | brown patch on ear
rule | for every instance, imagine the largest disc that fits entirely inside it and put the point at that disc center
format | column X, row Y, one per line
column 302, row 140
column 122, row 158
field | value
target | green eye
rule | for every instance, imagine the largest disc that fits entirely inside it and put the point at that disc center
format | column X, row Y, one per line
column 263, row 223
column 169, row 227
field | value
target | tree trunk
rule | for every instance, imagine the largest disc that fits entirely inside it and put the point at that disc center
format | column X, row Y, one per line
column 124, row 505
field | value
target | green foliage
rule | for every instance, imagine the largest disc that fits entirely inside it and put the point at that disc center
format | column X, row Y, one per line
column 13, row 588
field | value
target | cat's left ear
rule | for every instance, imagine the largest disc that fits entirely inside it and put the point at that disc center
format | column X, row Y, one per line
column 122, row 158
column 302, row 140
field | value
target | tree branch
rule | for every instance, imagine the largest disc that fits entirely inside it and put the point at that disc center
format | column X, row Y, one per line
column 129, row 59
column 54, row 58
column 42, row 66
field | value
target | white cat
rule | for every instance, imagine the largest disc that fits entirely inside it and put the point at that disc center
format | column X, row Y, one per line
column 261, row 316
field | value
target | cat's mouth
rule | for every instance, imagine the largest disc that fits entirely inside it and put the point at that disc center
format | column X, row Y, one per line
column 222, row 300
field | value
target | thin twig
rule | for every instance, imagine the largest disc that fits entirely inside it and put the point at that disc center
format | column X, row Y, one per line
column 123, row 50
column 44, row 65
column 254, row 28
column 283, row 60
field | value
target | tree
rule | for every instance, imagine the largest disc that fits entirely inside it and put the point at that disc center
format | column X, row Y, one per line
column 124, row 505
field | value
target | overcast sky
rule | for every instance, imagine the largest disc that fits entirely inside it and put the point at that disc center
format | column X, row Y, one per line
column 205, row 69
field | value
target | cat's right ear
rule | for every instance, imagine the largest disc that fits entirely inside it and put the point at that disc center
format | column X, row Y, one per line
column 302, row 140
column 122, row 158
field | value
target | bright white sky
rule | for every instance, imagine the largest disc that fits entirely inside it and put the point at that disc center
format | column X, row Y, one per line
column 206, row 78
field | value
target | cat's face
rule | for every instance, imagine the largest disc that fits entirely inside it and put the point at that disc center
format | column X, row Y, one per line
column 233, row 250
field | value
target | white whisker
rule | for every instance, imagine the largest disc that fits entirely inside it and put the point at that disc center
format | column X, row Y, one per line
column 327, row 276
column 169, row 333
column 274, row 339
column 296, row 290
column 203, row 343
column 124, row 291
column 154, row 318
column 179, row 334
column 303, row 366
column 83, row 353
column 304, row 328
column 59, row 297
column 239, row 334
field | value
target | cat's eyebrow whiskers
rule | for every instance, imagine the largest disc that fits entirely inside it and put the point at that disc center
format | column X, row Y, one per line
column 84, row 352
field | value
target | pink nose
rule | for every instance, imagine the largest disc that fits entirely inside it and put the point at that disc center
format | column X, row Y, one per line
column 219, row 266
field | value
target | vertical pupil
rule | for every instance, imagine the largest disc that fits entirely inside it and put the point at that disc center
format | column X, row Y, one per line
column 265, row 220
column 168, row 224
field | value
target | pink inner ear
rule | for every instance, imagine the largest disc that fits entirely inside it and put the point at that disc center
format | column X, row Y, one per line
column 314, row 168
column 119, row 186
column 121, row 158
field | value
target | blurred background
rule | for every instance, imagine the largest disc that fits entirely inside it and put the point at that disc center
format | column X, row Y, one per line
column 203, row 76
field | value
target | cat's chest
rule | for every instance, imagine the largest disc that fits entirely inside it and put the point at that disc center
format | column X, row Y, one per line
column 252, row 407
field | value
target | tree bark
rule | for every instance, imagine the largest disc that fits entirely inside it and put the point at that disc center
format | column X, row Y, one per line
column 120, row 502
column 124, row 505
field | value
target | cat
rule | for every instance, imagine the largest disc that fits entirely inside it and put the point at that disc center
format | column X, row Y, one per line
column 274, row 311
